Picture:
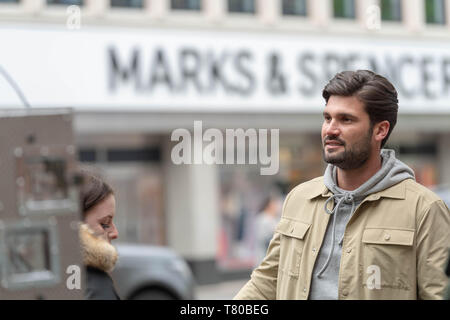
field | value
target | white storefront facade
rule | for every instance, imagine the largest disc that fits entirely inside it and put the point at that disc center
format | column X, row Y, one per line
column 131, row 85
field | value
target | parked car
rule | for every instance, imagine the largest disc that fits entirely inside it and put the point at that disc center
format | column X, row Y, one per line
column 146, row 272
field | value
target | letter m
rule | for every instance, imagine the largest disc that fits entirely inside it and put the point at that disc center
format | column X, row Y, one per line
column 241, row 136
column 118, row 72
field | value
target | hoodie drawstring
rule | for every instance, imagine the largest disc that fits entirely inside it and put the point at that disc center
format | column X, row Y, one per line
column 343, row 197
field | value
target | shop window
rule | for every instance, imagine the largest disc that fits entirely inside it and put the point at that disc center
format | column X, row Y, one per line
column 134, row 155
column 244, row 231
column 186, row 4
column 422, row 157
column 243, row 192
column 148, row 154
column 67, row 2
column 294, row 7
column 9, row 1
column 344, row 9
column 422, row 149
column 127, row 3
column 139, row 193
column 391, row 10
column 241, row 6
column 435, row 11
column 87, row 155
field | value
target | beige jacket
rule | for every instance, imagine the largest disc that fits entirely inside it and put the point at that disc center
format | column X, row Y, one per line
column 395, row 246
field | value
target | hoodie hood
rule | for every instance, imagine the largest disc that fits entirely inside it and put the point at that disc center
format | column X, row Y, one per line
column 97, row 252
column 392, row 171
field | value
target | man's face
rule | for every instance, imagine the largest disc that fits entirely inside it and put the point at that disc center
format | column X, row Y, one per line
column 346, row 133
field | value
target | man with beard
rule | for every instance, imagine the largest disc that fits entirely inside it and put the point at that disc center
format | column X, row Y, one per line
column 366, row 229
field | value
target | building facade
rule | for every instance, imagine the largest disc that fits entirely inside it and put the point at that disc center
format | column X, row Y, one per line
column 135, row 71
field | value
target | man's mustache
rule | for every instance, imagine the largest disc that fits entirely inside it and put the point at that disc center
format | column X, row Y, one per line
column 331, row 138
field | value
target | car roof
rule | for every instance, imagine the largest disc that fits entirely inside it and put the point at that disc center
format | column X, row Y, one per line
column 136, row 249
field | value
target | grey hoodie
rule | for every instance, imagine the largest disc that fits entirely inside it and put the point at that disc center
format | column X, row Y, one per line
column 325, row 277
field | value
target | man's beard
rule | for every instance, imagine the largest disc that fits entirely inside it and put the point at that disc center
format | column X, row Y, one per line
column 352, row 157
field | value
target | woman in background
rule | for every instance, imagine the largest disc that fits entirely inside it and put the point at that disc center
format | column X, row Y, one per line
column 98, row 207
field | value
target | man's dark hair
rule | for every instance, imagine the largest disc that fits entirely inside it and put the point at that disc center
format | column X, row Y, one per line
column 376, row 93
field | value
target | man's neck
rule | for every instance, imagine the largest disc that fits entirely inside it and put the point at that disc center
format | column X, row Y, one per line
column 352, row 179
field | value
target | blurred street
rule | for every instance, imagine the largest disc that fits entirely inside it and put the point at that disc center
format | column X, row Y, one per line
column 220, row 291
column 177, row 129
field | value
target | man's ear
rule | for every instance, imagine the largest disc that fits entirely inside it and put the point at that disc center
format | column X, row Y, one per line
column 381, row 130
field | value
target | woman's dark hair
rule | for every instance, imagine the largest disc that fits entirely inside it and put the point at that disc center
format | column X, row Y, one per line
column 93, row 190
column 376, row 93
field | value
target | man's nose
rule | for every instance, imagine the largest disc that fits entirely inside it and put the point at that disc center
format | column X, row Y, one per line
column 332, row 129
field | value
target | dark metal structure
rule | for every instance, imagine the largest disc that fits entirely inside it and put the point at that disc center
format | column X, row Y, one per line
column 40, row 255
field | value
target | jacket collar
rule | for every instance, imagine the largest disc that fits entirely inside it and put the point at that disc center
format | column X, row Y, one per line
column 397, row 191
column 316, row 189
column 97, row 252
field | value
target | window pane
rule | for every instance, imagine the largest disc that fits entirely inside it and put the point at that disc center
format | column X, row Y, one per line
column 68, row 2
column 9, row 1
column 294, row 7
column 246, row 6
column 186, row 4
column 435, row 11
column 344, row 9
column 127, row 3
column 391, row 10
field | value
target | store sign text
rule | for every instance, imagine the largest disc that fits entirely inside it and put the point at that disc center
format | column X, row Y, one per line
column 162, row 70
column 236, row 72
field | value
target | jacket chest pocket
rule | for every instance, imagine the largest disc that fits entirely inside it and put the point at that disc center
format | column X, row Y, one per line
column 391, row 250
column 292, row 242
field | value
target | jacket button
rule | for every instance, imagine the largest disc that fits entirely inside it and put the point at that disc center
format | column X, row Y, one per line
column 349, row 250
column 304, row 289
column 387, row 237
column 345, row 293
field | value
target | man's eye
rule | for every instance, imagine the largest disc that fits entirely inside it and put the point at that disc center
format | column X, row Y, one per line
column 105, row 226
column 347, row 120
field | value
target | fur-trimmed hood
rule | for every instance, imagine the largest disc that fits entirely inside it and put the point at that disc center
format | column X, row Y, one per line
column 97, row 252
